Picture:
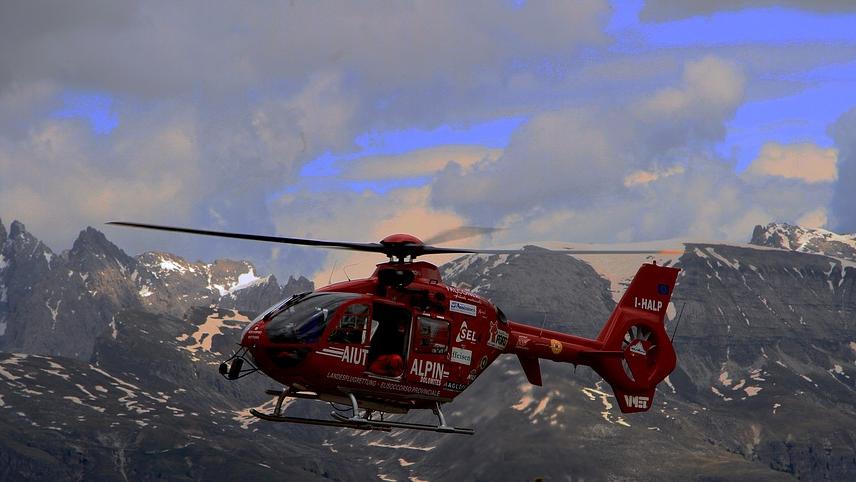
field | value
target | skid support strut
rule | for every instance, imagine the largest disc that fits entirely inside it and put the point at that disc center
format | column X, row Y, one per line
column 441, row 427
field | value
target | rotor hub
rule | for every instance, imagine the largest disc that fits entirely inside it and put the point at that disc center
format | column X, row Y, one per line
column 401, row 239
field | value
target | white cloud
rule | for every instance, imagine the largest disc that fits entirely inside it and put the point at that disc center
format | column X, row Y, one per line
column 164, row 48
column 640, row 171
column 804, row 161
column 644, row 177
column 220, row 106
column 576, row 157
column 814, row 219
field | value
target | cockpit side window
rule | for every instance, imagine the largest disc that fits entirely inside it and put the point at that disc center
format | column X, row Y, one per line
column 432, row 336
column 352, row 326
column 305, row 319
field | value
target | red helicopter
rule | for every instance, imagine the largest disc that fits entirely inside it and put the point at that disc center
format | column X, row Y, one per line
column 402, row 340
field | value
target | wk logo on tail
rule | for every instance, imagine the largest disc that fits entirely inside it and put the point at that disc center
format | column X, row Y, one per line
column 636, row 401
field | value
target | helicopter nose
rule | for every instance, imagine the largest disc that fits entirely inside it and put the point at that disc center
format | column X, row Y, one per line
column 252, row 332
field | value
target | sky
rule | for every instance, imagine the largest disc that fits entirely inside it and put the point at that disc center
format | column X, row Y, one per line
column 581, row 121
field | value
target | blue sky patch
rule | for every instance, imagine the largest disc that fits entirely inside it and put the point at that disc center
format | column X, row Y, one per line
column 93, row 107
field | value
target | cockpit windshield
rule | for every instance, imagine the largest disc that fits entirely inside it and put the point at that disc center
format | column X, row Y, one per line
column 303, row 319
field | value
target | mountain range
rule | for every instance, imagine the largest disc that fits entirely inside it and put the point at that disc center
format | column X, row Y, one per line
column 109, row 371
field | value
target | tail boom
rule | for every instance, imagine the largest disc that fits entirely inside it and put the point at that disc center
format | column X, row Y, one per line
column 633, row 352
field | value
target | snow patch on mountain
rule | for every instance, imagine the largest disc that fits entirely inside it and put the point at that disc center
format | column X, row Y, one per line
column 203, row 337
column 245, row 280
column 169, row 265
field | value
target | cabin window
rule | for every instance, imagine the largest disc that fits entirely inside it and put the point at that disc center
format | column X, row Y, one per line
column 352, row 326
column 432, row 336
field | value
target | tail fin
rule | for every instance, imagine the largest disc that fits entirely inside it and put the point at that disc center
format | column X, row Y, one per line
column 637, row 352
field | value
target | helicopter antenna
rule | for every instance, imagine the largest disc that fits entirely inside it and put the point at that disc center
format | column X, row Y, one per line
column 345, row 270
column 543, row 322
column 330, row 281
column 678, row 323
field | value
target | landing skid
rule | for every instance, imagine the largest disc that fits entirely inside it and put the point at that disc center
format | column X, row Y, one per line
column 316, row 421
column 356, row 421
column 383, row 424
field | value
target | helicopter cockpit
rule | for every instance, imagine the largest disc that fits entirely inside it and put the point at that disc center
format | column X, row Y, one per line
column 303, row 318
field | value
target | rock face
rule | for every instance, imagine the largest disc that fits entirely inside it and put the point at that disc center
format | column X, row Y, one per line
column 764, row 388
column 150, row 406
column 58, row 304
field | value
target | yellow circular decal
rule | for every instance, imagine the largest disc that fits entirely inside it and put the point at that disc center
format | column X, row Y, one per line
column 556, row 346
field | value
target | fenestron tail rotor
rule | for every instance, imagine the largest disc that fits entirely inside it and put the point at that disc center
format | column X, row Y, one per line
column 637, row 343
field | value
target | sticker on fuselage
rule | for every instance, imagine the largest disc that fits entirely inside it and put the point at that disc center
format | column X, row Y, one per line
column 463, row 308
column 498, row 338
column 456, row 387
column 466, row 334
column 462, row 356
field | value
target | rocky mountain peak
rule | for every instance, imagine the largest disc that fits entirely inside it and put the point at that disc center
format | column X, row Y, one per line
column 23, row 249
column 805, row 240
column 2, row 234
column 16, row 229
column 92, row 243
column 21, row 241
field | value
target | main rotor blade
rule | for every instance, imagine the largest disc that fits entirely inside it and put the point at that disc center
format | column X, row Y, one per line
column 370, row 247
column 440, row 250
column 389, row 250
column 459, row 233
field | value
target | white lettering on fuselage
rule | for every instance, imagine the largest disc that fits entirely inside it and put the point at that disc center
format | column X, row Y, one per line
column 428, row 372
column 355, row 355
column 646, row 304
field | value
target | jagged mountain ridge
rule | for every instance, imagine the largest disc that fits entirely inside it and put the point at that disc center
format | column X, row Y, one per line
column 58, row 304
column 763, row 388
column 805, row 240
